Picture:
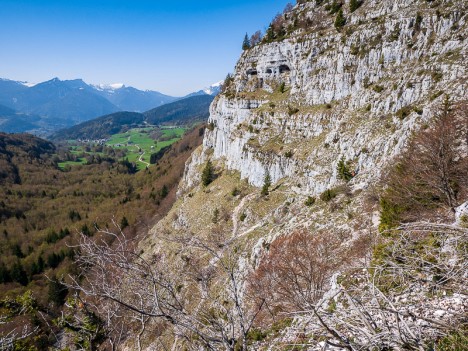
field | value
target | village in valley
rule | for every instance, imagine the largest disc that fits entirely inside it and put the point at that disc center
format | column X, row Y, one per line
column 135, row 145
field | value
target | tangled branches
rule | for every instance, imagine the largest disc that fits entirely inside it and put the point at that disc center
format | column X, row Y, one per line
column 198, row 300
column 413, row 294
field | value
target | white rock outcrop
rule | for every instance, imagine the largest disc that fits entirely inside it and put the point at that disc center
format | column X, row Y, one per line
column 354, row 94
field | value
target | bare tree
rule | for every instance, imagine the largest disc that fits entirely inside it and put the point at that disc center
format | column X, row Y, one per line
column 434, row 168
column 413, row 294
column 297, row 270
column 200, row 299
column 288, row 8
column 256, row 38
column 278, row 22
column 219, row 273
column 443, row 164
column 9, row 339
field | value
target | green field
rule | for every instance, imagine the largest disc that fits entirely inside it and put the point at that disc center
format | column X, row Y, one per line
column 63, row 165
column 140, row 145
column 138, row 142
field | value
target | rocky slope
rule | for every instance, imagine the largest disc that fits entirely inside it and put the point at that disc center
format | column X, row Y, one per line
column 298, row 105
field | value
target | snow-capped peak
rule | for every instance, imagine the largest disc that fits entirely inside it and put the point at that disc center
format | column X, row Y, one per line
column 104, row 87
column 213, row 89
column 26, row 84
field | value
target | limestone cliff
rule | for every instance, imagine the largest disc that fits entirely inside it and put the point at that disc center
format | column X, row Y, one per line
column 357, row 93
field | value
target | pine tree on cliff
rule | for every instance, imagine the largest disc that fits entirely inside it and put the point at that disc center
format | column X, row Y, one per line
column 270, row 34
column 266, row 184
column 354, row 5
column 246, row 42
column 343, row 170
column 340, row 20
column 207, row 174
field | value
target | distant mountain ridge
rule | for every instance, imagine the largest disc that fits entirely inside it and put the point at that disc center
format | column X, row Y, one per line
column 13, row 122
column 55, row 104
column 132, row 99
column 186, row 111
column 58, row 103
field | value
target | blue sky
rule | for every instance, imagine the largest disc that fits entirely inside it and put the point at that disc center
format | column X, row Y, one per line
column 175, row 47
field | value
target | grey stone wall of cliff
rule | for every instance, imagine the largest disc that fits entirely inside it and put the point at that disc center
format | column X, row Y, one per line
column 358, row 93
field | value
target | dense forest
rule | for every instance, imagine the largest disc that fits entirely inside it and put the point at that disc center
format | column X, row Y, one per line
column 43, row 209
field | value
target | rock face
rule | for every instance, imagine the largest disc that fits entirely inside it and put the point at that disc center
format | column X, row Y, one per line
column 356, row 93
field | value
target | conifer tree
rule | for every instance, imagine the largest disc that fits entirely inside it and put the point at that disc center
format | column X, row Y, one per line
column 40, row 264
column 354, row 5
column 57, row 292
column 270, row 34
column 164, row 191
column 246, row 42
column 340, row 20
column 207, row 174
column 18, row 274
column 215, row 218
column 124, row 223
column 266, row 184
column 4, row 274
column 343, row 170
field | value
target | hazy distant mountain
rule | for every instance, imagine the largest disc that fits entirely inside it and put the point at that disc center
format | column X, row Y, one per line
column 181, row 112
column 65, row 103
column 131, row 99
column 58, row 104
column 14, row 122
column 188, row 110
column 9, row 91
column 71, row 101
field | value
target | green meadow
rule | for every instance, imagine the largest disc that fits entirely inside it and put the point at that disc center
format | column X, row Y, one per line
column 139, row 144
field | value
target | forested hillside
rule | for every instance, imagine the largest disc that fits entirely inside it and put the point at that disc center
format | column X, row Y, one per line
column 101, row 127
column 43, row 209
column 18, row 148
column 190, row 110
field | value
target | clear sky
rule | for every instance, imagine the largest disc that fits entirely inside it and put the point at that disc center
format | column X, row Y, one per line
column 175, row 47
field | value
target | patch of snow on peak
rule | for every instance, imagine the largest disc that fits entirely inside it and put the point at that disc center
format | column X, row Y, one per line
column 28, row 84
column 117, row 86
column 213, row 89
column 104, row 87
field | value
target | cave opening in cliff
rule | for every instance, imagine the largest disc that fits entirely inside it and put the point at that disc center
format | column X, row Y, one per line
column 251, row 72
column 284, row 69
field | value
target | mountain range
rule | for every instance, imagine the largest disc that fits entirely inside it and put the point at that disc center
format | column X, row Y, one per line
column 55, row 104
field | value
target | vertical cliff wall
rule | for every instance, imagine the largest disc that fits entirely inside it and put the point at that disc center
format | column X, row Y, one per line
column 356, row 93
